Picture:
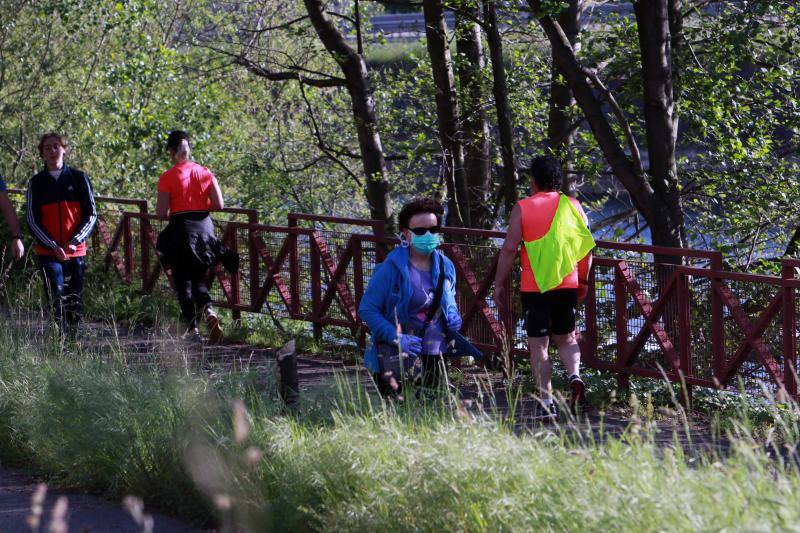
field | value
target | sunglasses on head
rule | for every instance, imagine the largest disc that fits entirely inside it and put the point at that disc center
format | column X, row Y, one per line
column 423, row 231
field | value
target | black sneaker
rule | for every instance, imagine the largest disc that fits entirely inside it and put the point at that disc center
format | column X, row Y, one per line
column 577, row 390
column 545, row 413
column 193, row 336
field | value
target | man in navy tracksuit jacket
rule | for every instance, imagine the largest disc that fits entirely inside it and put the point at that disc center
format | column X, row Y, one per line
column 61, row 215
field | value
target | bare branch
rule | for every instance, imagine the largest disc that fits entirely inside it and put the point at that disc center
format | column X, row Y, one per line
column 351, row 20
column 283, row 26
column 623, row 121
column 611, row 220
column 258, row 70
column 305, row 167
column 321, row 143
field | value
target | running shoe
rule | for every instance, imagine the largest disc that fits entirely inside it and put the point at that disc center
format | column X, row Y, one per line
column 215, row 333
column 577, row 389
column 545, row 413
column 193, row 336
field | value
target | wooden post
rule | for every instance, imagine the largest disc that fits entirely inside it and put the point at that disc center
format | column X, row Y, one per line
column 316, row 292
column 621, row 321
column 144, row 246
column 685, row 332
column 288, row 379
column 236, row 279
column 127, row 243
column 358, row 285
column 589, row 348
column 717, row 321
column 294, row 270
column 255, row 263
column 789, row 332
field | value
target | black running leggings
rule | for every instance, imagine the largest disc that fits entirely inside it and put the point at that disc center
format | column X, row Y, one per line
column 190, row 286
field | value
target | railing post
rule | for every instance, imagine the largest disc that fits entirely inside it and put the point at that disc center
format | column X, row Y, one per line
column 316, row 291
column 255, row 263
column 96, row 237
column 590, row 315
column 717, row 320
column 685, row 332
column 621, row 322
column 294, row 269
column 789, row 332
column 358, row 285
column 144, row 246
column 379, row 230
column 127, row 243
column 236, row 279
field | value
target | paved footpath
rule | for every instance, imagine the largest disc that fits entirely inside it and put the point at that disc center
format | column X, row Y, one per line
column 84, row 513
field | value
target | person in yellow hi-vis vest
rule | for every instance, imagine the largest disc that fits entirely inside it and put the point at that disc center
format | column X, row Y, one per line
column 555, row 259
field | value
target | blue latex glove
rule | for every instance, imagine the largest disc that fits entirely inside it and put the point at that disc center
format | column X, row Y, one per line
column 410, row 344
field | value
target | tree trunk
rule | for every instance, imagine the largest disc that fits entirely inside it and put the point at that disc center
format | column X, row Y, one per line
column 659, row 113
column 505, row 121
column 675, row 27
column 665, row 221
column 448, row 113
column 560, row 131
column 354, row 69
column 477, row 146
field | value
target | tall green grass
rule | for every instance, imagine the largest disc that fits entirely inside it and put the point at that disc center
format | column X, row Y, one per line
column 344, row 460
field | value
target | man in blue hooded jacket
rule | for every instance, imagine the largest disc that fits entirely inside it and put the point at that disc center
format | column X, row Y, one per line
column 401, row 293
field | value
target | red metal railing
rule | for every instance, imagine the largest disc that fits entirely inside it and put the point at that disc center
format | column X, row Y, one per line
column 691, row 322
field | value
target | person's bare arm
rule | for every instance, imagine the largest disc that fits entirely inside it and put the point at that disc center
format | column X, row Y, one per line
column 10, row 216
column 162, row 205
column 585, row 264
column 506, row 259
column 584, row 267
column 217, row 203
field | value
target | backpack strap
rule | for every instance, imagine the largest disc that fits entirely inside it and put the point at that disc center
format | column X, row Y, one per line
column 437, row 295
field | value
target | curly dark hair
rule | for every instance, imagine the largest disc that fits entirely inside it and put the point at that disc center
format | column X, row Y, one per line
column 546, row 173
column 417, row 206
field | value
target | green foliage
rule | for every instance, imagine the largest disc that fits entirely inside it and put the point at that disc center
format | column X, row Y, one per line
column 95, row 425
column 117, row 76
column 740, row 106
column 344, row 461
column 736, row 78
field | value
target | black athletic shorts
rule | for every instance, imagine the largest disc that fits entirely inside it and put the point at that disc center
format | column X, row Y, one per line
column 549, row 312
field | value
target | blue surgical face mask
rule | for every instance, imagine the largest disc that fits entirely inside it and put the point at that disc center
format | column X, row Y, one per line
column 425, row 244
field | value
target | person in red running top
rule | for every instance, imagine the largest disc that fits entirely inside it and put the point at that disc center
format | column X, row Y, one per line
column 187, row 192
column 549, row 312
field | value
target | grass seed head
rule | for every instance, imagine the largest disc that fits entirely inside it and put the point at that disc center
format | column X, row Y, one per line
column 241, row 426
